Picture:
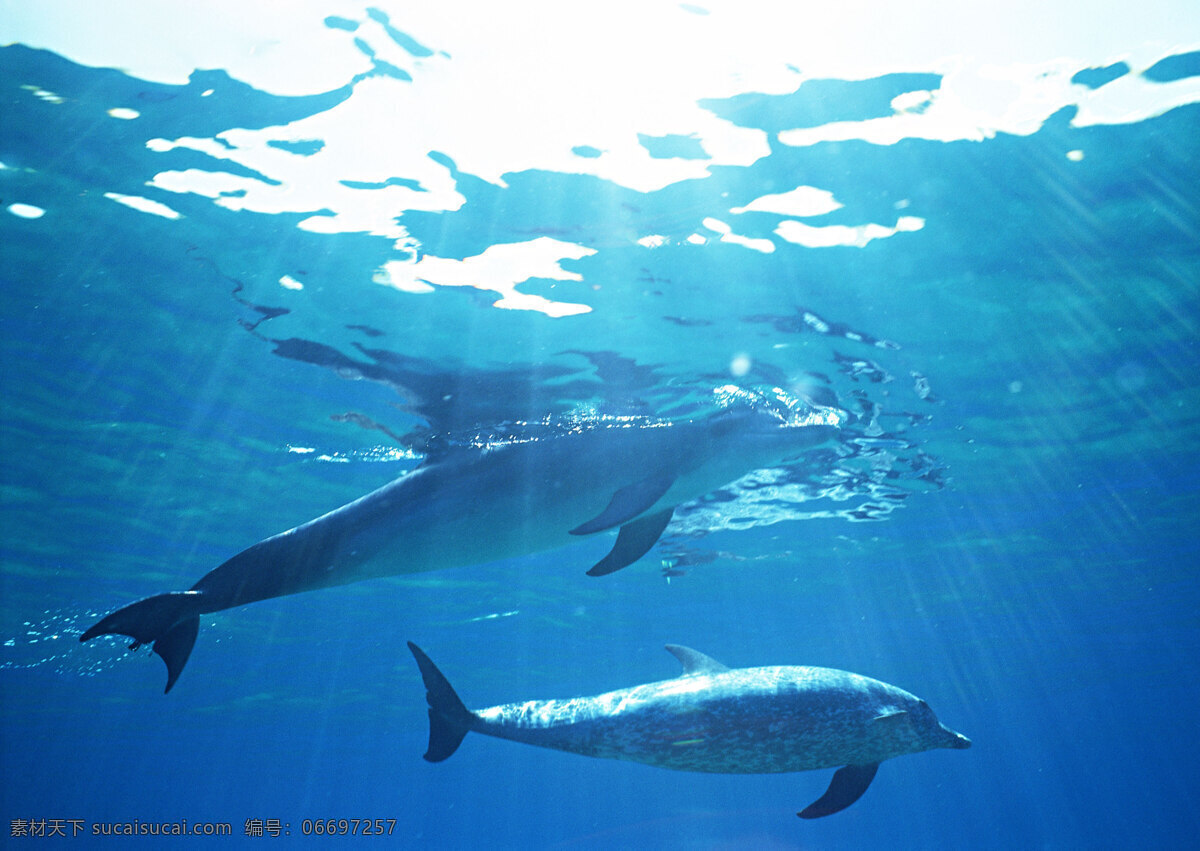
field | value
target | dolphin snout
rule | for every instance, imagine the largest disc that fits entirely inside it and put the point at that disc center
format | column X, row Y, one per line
column 957, row 741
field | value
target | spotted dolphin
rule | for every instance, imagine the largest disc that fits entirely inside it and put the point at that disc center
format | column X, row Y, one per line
column 469, row 507
column 714, row 719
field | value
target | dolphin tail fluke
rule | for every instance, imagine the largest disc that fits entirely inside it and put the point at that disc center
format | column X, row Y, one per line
column 848, row 784
column 449, row 718
column 168, row 621
column 175, row 647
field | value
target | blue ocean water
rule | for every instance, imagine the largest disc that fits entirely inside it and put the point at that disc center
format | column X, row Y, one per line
column 1005, row 525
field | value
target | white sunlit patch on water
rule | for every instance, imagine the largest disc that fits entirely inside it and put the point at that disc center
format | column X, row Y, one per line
column 394, row 145
column 26, row 211
column 727, row 235
column 801, row 201
column 979, row 99
column 721, row 54
column 808, row 202
column 498, row 269
column 830, row 235
column 145, row 205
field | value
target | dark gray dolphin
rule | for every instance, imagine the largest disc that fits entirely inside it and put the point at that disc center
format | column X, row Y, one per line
column 713, row 719
column 477, row 506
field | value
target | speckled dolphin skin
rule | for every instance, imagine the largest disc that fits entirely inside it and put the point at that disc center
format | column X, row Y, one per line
column 714, row 719
column 475, row 506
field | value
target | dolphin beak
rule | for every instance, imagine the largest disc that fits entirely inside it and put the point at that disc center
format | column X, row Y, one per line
column 957, row 741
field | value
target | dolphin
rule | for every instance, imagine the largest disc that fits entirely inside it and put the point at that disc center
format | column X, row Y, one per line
column 473, row 506
column 714, row 719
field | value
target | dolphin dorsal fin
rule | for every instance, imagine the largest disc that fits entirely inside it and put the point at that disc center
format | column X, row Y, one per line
column 694, row 662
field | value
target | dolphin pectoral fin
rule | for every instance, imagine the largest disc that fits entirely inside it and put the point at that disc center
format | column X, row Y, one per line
column 169, row 621
column 633, row 541
column 848, row 784
column 449, row 718
column 628, row 503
